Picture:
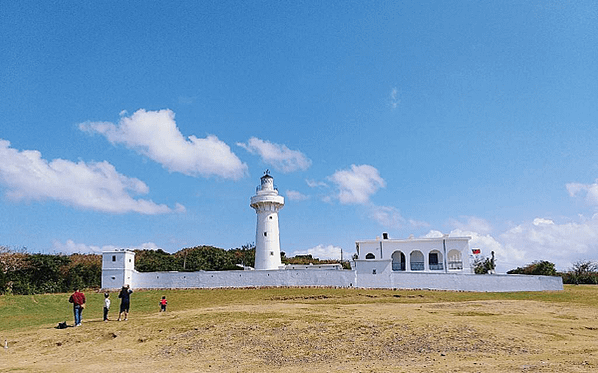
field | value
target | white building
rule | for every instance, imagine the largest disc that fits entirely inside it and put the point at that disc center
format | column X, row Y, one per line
column 267, row 203
column 118, row 268
column 436, row 255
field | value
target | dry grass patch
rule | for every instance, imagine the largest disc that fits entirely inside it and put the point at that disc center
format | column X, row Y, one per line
column 334, row 330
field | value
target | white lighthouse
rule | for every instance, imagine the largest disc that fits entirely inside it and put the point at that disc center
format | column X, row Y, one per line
column 266, row 203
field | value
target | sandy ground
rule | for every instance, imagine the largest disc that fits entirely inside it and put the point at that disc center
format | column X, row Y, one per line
column 282, row 336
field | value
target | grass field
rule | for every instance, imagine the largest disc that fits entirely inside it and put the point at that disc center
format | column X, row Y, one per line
column 308, row 330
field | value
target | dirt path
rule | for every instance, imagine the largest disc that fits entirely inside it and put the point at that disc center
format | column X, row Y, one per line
column 481, row 336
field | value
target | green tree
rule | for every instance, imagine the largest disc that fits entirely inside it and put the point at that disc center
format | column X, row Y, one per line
column 155, row 261
column 582, row 272
column 45, row 273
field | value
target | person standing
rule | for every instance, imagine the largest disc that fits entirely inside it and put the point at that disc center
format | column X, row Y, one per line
column 106, row 305
column 163, row 303
column 78, row 301
column 125, row 301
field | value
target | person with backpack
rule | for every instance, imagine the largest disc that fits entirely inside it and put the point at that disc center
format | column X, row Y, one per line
column 125, row 301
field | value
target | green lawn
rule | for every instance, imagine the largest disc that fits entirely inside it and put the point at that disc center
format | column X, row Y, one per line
column 29, row 311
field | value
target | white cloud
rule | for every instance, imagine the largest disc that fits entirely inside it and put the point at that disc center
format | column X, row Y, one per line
column 324, row 252
column 155, row 135
column 293, row 195
column 418, row 223
column 357, row 184
column 433, row 234
column 316, row 184
column 278, row 156
column 394, row 101
column 590, row 190
column 473, row 224
column 543, row 239
column 390, row 217
column 94, row 185
column 539, row 239
column 387, row 216
column 146, row 246
column 70, row 247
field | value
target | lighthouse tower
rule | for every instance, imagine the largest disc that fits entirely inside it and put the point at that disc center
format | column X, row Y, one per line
column 266, row 203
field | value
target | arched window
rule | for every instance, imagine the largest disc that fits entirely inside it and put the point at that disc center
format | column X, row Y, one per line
column 398, row 261
column 455, row 260
column 435, row 261
column 370, row 256
column 417, row 260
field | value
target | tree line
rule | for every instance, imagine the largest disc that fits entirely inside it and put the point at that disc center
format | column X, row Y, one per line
column 25, row 273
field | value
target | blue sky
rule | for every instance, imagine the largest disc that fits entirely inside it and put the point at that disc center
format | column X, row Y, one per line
column 148, row 124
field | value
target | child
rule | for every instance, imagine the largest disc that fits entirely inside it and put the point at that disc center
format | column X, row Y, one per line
column 106, row 305
column 163, row 304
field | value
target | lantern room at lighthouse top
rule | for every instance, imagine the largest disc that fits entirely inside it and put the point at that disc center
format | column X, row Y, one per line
column 266, row 192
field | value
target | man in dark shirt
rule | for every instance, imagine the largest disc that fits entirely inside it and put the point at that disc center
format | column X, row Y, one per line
column 78, row 301
column 125, row 299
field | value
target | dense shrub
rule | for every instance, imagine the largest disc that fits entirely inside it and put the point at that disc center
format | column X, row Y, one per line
column 540, row 267
column 582, row 272
column 22, row 273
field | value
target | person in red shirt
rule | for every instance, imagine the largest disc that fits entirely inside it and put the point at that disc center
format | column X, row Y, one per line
column 78, row 301
column 163, row 303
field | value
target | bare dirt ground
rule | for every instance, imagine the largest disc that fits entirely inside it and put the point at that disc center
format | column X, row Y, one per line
column 288, row 335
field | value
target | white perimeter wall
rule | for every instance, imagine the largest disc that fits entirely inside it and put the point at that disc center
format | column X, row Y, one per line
column 386, row 278
column 225, row 279
column 345, row 278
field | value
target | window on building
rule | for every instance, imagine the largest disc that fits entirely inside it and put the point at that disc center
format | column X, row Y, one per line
column 114, row 258
column 370, row 256
column 265, row 234
column 433, row 258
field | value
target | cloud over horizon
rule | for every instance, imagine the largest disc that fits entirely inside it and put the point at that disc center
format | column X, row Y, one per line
column 70, row 247
column 155, row 135
column 540, row 239
column 94, row 185
column 323, row 252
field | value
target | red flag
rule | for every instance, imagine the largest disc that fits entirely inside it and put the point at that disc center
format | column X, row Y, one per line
column 476, row 251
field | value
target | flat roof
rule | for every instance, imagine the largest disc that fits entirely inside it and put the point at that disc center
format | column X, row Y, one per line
column 425, row 239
